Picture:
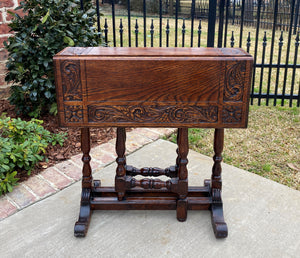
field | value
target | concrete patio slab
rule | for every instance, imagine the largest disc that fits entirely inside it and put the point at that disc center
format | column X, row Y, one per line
column 263, row 218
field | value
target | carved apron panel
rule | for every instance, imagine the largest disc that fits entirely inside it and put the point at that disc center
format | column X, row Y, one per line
column 155, row 114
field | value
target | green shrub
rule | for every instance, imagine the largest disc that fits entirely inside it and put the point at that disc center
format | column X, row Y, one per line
column 47, row 27
column 22, row 145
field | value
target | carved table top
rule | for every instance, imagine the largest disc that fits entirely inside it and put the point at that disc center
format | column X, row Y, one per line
column 153, row 87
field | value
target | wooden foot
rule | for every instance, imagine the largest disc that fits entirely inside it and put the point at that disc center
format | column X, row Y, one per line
column 82, row 225
column 217, row 217
column 217, row 221
column 181, row 210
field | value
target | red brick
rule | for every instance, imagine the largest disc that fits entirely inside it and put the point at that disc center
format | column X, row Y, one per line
column 3, row 55
column 3, row 68
column 2, row 79
column 6, row 3
column 69, row 169
column 40, row 187
column 6, row 208
column 148, row 133
column 135, row 141
column 21, row 196
column 56, row 178
column 2, row 39
column 4, row 93
column 1, row 17
column 4, row 29
column 77, row 160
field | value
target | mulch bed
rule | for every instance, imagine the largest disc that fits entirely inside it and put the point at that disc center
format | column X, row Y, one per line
column 57, row 153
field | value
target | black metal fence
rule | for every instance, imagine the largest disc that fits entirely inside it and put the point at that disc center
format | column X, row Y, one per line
column 271, row 35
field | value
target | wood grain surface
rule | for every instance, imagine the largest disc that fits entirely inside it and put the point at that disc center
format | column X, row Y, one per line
column 153, row 87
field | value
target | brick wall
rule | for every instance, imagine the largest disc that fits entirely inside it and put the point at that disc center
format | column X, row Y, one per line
column 5, row 17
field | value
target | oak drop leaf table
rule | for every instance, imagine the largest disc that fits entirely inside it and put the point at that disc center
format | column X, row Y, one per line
column 153, row 87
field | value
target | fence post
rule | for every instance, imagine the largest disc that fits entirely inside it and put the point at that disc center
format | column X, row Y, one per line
column 221, row 22
column 211, row 23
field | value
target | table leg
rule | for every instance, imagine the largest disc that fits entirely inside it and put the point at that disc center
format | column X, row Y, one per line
column 120, row 182
column 81, row 226
column 183, row 149
column 218, row 223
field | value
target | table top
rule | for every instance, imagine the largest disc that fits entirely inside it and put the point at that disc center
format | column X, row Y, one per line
column 153, row 87
column 101, row 52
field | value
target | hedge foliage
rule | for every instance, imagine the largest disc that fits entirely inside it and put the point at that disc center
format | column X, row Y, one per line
column 47, row 27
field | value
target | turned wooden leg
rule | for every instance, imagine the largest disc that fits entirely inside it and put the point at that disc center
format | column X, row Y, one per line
column 218, row 223
column 120, row 182
column 81, row 226
column 177, row 151
column 183, row 149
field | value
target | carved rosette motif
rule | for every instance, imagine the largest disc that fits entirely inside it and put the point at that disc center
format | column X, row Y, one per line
column 73, row 114
column 71, row 83
column 155, row 114
column 232, row 114
column 234, row 81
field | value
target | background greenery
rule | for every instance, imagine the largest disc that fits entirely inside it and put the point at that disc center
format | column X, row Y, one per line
column 22, row 145
column 47, row 27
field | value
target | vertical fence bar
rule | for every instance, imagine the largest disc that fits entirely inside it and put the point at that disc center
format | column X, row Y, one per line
column 81, row 5
column 167, row 33
column 232, row 40
column 233, row 13
column 294, row 70
column 248, row 42
column 199, row 33
column 121, row 33
column 105, row 31
column 296, row 16
column 114, row 21
column 226, row 21
column 176, row 22
column 255, row 50
column 221, row 22
column 262, row 67
column 272, row 50
column 211, row 23
column 192, row 21
column 160, row 23
column 183, row 32
column 280, row 44
column 136, row 33
column 145, row 23
column 288, row 52
column 298, row 101
column 242, row 23
column 151, row 32
column 98, row 18
column 129, row 23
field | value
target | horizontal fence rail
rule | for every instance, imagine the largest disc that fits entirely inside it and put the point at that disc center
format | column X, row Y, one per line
column 271, row 35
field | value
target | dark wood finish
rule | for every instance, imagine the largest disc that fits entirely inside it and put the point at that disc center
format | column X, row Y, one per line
column 120, row 180
column 183, row 149
column 218, row 223
column 153, row 87
column 169, row 172
column 81, row 226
